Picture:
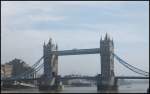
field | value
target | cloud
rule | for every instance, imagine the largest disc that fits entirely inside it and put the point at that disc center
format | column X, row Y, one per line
column 46, row 18
column 16, row 7
column 25, row 12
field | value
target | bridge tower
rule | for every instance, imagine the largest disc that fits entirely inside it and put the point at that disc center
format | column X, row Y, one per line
column 50, row 60
column 107, row 64
column 48, row 79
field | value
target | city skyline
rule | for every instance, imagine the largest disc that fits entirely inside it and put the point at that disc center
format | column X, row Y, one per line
column 26, row 25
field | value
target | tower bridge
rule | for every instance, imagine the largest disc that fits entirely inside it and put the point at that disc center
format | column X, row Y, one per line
column 106, row 80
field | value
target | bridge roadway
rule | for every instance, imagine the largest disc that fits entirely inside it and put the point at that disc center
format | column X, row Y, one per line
column 95, row 78
column 131, row 77
column 77, row 51
column 87, row 78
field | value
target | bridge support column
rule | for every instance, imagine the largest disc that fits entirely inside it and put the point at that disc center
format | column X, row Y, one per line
column 49, row 81
column 107, row 80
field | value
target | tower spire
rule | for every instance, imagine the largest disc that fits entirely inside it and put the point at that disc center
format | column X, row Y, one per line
column 50, row 40
column 44, row 43
column 112, row 42
column 56, row 46
column 106, row 37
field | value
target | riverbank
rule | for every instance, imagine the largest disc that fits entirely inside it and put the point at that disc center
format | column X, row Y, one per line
column 130, row 88
column 11, row 87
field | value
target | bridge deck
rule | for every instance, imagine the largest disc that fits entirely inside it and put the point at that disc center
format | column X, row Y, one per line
column 131, row 77
column 88, row 78
column 77, row 51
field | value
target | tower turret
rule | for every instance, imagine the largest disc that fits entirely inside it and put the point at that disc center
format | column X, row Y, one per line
column 44, row 44
column 50, row 41
column 101, row 38
column 56, row 46
column 106, row 36
column 112, row 42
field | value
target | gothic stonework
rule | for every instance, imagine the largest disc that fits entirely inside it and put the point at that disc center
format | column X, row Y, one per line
column 107, row 62
column 50, row 60
column 48, row 80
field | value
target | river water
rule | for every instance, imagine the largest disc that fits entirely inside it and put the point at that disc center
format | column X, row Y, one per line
column 125, row 88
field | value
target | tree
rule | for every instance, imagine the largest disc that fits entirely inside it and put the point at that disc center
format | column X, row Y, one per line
column 19, row 67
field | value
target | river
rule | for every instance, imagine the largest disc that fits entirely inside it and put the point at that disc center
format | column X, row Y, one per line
column 124, row 88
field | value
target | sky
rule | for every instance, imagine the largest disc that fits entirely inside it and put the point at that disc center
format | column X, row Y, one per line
column 25, row 25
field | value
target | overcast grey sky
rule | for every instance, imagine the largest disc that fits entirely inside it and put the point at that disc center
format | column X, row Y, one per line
column 26, row 25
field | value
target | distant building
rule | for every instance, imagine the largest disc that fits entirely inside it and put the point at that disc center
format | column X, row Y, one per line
column 2, row 71
column 15, row 68
column 6, row 70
